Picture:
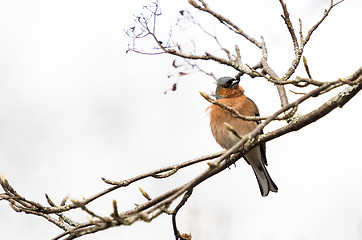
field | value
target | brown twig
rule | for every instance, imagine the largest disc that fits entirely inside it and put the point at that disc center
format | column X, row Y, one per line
column 289, row 24
column 205, row 8
column 299, row 52
column 315, row 26
column 236, row 114
column 175, row 211
column 267, row 69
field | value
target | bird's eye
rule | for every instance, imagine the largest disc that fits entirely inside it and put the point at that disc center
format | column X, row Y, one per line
column 228, row 84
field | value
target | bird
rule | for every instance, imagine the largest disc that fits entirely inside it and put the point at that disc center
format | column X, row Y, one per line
column 229, row 92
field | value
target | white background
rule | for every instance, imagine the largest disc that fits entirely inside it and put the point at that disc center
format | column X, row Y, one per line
column 74, row 107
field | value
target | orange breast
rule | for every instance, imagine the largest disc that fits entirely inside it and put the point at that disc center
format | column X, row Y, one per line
column 218, row 117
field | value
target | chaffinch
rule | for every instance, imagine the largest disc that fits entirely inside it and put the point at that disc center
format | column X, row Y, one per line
column 231, row 94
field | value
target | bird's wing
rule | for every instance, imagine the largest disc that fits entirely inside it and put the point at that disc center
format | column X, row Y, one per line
column 262, row 145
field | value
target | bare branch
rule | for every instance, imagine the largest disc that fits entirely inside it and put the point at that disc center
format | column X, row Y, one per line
column 299, row 53
column 338, row 101
column 224, row 21
column 236, row 114
column 267, row 69
column 175, row 211
column 289, row 26
column 326, row 12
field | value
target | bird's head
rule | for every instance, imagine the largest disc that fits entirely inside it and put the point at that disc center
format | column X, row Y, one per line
column 228, row 87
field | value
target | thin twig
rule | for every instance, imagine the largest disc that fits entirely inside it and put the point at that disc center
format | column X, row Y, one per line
column 315, row 26
column 236, row 114
column 224, row 21
column 304, row 41
column 289, row 26
column 175, row 211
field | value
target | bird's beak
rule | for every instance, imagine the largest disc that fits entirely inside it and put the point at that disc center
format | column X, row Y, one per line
column 235, row 83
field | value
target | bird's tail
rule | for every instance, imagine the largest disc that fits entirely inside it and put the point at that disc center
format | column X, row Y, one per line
column 265, row 182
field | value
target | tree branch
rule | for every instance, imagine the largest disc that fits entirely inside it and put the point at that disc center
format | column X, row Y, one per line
column 205, row 8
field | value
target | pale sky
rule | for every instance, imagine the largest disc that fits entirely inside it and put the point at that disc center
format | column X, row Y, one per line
column 74, row 107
